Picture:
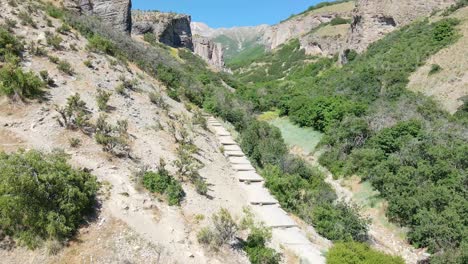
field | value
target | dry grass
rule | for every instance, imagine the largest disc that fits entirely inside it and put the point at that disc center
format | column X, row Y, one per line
column 451, row 83
column 338, row 8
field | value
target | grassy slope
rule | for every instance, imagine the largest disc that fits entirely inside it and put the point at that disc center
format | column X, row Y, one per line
column 451, row 83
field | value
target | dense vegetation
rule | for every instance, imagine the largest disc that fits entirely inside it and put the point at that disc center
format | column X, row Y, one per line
column 42, row 197
column 163, row 183
column 358, row 253
column 412, row 152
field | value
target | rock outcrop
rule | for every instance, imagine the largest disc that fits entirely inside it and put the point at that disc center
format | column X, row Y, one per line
column 210, row 51
column 169, row 28
column 116, row 13
column 373, row 19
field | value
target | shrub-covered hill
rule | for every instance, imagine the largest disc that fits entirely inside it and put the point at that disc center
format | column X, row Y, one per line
column 411, row 151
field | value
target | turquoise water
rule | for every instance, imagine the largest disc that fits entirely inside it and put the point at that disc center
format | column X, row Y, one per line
column 294, row 135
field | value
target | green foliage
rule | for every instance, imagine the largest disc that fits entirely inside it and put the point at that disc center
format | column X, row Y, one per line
column 64, row 29
column 223, row 231
column 42, row 197
column 26, row 19
column 75, row 115
column 256, row 248
column 309, row 197
column 339, row 21
column 54, row 40
column 65, row 67
column 150, row 38
column 246, row 57
column 263, row 144
column 163, row 183
column 359, row 253
column 18, row 85
column 459, row 4
column 99, row 44
column 435, row 68
column 102, row 98
column 321, row 112
column 114, row 139
column 9, row 44
column 74, row 142
column 53, row 11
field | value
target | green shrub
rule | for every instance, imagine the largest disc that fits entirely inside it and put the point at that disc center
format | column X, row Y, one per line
column 26, row 19
column 163, row 183
column 54, row 59
column 29, row 180
column 157, row 99
column 114, row 139
column 46, row 78
column 339, row 21
column 9, row 44
column 256, row 248
column 53, row 11
column 102, row 98
column 54, row 40
column 74, row 142
column 100, row 44
column 65, row 67
column 18, row 85
column 64, row 29
column 359, row 253
column 75, row 115
column 435, row 68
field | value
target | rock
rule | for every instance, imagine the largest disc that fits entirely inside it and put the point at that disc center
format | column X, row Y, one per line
column 373, row 19
column 210, row 51
column 113, row 12
column 169, row 28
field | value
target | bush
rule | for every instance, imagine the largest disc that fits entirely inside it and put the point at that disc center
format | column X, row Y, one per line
column 163, row 183
column 26, row 19
column 223, row 231
column 157, row 99
column 54, row 40
column 339, row 21
column 435, row 68
column 53, row 11
column 65, row 67
column 75, row 115
column 9, row 44
column 114, row 139
column 28, row 181
column 18, row 85
column 64, row 29
column 256, row 248
column 102, row 98
column 74, row 142
column 359, row 253
column 99, row 44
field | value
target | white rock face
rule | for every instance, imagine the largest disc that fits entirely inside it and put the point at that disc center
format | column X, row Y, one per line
column 210, row 51
column 113, row 12
column 373, row 19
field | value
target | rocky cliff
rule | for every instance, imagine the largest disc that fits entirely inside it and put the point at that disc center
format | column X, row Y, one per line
column 210, row 51
column 372, row 19
column 169, row 28
column 114, row 12
column 303, row 24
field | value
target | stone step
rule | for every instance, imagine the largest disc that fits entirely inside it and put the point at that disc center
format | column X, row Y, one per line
column 239, row 160
column 243, row 167
column 220, row 131
column 257, row 194
column 227, row 140
column 273, row 216
column 291, row 236
column 307, row 253
column 249, row 176
column 232, row 147
column 233, row 153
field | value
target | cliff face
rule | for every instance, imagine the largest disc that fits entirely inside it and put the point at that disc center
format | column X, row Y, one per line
column 303, row 24
column 372, row 19
column 169, row 28
column 114, row 12
column 210, row 51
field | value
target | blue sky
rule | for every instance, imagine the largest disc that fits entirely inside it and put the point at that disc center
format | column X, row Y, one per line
column 229, row 13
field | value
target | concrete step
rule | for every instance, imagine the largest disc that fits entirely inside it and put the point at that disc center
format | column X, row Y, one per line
column 227, row 140
column 257, row 194
column 239, row 160
column 243, row 167
column 249, row 176
column 273, row 216
column 233, row 153
column 232, row 147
